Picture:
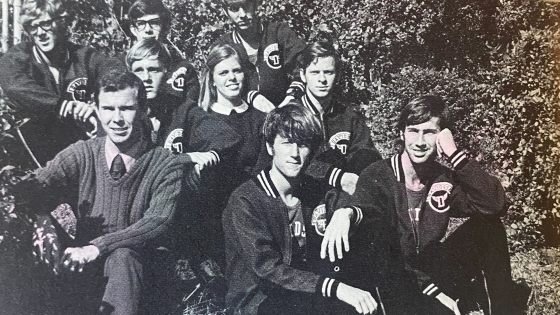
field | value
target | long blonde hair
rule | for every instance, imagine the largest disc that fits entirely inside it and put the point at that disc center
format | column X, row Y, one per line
column 208, row 93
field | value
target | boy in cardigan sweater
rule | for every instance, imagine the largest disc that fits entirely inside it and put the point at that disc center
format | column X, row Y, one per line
column 269, row 227
column 124, row 193
column 416, row 196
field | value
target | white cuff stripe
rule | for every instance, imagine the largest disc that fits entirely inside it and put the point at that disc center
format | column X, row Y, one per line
column 428, row 288
column 458, row 158
column 329, row 287
column 63, row 108
column 334, row 175
column 359, row 215
column 298, row 85
column 216, row 154
column 326, row 285
column 432, row 291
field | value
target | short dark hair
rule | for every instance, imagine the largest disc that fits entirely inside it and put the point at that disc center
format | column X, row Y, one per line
column 422, row 109
column 321, row 48
column 226, row 2
column 144, row 7
column 294, row 122
column 118, row 80
column 146, row 48
column 32, row 9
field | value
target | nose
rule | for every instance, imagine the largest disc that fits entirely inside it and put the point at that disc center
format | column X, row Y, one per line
column 232, row 76
column 242, row 12
column 420, row 140
column 322, row 77
column 117, row 116
column 145, row 76
column 294, row 150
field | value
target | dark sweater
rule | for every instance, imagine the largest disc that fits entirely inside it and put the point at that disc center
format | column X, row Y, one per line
column 130, row 212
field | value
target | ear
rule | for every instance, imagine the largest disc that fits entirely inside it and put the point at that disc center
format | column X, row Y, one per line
column 269, row 149
column 134, row 31
column 401, row 135
column 302, row 75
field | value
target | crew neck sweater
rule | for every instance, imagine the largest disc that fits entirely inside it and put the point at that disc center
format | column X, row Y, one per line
column 129, row 212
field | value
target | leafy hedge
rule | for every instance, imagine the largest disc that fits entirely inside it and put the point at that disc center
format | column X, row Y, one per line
column 494, row 61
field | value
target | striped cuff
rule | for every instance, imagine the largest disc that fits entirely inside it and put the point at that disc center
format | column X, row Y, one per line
column 216, row 155
column 251, row 96
column 296, row 89
column 431, row 290
column 458, row 159
column 335, row 176
column 358, row 215
column 65, row 107
column 328, row 287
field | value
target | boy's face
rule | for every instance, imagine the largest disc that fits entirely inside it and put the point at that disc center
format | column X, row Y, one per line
column 319, row 77
column 420, row 141
column 121, row 116
column 241, row 12
column 288, row 158
column 151, row 72
column 46, row 32
column 147, row 26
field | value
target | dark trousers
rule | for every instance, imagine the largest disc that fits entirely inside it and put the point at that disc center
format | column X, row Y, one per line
column 471, row 265
column 285, row 302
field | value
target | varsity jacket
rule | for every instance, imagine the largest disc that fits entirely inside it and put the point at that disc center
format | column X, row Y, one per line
column 347, row 146
column 185, row 127
column 259, row 244
column 34, row 93
column 277, row 59
column 463, row 192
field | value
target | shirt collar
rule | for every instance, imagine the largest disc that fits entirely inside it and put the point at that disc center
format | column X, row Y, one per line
column 224, row 110
column 135, row 152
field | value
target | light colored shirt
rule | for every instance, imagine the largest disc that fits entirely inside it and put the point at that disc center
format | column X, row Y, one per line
column 224, row 110
column 111, row 151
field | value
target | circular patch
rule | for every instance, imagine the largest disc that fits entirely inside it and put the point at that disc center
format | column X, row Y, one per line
column 319, row 219
column 79, row 90
column 178, row 79
column 273, row 56
column 438, row 197
column 340, row 141
column 174, row 141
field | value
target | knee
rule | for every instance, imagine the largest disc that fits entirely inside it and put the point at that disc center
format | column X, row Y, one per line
column 122, row 258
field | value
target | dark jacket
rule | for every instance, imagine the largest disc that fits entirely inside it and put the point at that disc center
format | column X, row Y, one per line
column 466, row 191
column 32, row 89
column 277, row 60
column 259, row 245
column 347, row 146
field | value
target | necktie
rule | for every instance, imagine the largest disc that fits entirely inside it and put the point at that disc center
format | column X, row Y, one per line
column 117, row 167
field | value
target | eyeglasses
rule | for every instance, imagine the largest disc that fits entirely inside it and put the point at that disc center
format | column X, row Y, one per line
column 155, row 24
column 45, row 26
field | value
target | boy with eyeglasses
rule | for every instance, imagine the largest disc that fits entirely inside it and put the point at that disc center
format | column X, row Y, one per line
column 271, row 47
column 50, row 81
column 151, row 19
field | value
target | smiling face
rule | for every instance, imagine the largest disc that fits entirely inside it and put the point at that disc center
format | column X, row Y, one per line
column 121, row 116
column 288, row 158
column 319, row 77
column 46, row 32
column 147, row 26
column 241, row 13
column 228, row 79
column 420, row 141
column 151, row 72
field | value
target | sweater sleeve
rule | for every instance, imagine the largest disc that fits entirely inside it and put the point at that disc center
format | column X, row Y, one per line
column 477, row 191
column 159, row 215
column 17, row 80
column 262, row 255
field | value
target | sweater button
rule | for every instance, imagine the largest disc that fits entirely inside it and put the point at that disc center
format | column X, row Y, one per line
column 336, row 268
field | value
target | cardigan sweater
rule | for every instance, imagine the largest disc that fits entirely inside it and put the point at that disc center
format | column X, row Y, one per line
column 130, row 212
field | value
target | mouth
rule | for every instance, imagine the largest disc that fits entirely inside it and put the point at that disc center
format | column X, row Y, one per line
column 119, row 131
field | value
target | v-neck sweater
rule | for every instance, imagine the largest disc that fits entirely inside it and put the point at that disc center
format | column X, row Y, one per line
column 128, row 212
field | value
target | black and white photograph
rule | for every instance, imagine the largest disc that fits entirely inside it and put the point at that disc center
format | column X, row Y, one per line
column 279, row 157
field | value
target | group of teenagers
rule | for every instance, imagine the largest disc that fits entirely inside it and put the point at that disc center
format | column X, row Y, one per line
column 259, row 166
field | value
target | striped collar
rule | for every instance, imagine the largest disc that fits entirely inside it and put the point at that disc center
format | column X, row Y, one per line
column 237, row 37
column 396, row 165
column 42, row 58
column 311, row 103
column 264, row 182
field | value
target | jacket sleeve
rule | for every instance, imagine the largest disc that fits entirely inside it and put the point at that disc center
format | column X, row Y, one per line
column 17, row 80
column 263, row 256
column 293, row 45
column 361, row 151
column 478, row 192
column 183, row 81
column 158, row 217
